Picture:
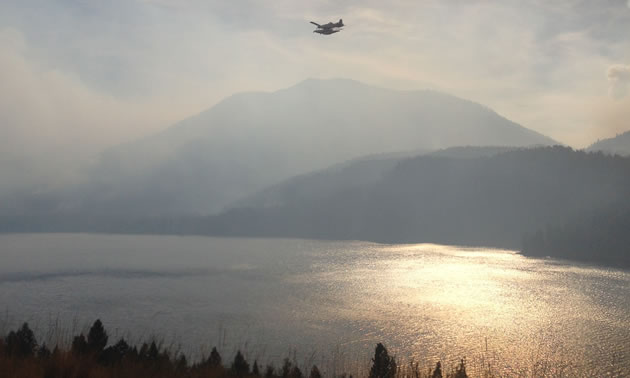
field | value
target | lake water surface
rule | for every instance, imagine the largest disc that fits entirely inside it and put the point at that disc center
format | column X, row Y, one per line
column 323, row 302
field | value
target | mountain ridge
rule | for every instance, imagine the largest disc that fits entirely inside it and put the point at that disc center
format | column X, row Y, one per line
column 619, row 144
column 252, row 140
column 486, row 200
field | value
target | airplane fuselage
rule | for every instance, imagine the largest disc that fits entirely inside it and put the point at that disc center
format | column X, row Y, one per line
column 329, row 28
column 332, row 25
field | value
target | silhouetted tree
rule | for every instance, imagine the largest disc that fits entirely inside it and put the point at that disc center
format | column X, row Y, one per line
column 182, row 363
column 437, row 373
column 315, row 372
column 269, row 370
column 460, row 372
column 149, row 352
column 21, row 343
column 240, row 367
column 290, row 371
column 154, row 351
column 296, row 372
column 383, row 365
column 133, row 353
column 97, row 337
column 43, row 352
column 255, row 370
column 121, row 347
column 115, row 353
column 286, row 368
column 214, row 359
column 79, row 345
column 143, row 353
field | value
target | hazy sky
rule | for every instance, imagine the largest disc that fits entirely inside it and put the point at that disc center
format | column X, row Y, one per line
column 77, row 75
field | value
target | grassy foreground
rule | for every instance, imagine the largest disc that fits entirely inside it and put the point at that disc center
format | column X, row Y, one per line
column 93, row 356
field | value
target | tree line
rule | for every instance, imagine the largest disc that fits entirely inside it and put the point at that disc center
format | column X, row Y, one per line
column 91, row 355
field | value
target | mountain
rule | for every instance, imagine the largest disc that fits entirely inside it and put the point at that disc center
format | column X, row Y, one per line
column 469, row 152
column 250, row 141
column 353, row 174
column 487, row 200
column 546, row 201
column 619, row 145
column 323, row 183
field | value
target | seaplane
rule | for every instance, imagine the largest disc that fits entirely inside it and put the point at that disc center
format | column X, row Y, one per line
column 329, row 28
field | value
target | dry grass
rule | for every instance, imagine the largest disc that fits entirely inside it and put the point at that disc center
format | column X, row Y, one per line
column 91, row 356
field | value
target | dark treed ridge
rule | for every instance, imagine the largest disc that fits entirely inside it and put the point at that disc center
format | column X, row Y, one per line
column 489, row 199
column 484, row 201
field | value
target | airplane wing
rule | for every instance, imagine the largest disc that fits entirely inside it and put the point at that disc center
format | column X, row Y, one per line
column 316, row 24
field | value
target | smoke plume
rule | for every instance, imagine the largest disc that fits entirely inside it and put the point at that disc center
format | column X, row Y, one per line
column 619, row 80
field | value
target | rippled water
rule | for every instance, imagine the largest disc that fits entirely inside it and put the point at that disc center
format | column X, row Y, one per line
column 324, row 302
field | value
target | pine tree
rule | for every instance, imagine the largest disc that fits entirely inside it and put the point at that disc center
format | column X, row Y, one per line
column 460, row 372
column 269, row 370
column 114, row 353
column 21, row 343
column 295, row 372
column 383, row 365
column 154, row 352
column 43, row 352
column 315, row 372
column 240, row 366
column 97, row 337
column 182, row 363
column 79, row 345
column 214, row 359
column 437, row 373
column 286, row 368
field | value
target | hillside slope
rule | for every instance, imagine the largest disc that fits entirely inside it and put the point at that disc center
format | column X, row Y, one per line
column 484, row 200
column 250, row 141
column 619, row 145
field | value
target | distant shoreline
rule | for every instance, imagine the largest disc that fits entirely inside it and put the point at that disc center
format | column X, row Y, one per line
column 611, row 263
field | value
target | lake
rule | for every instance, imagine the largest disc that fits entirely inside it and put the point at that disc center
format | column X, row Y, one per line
column 323, row 302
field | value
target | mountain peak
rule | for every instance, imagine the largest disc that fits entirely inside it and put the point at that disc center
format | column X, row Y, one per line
column 253, row 140
column 330, row 83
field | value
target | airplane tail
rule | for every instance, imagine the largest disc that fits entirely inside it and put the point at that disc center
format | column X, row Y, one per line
column 340, row 22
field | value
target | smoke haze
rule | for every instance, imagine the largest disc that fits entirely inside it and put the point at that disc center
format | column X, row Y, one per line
column 619, row 78
column 79, row 77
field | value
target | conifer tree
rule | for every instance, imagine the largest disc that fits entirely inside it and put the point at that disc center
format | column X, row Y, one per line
column 97, row 337
column 43, row 351
column 21, row 343
column 437, row 373
column 460, row 372
column 269, row 371
column 383, row 365
column 240, row 366
column 315, row 372
column 214, row 359
column 79, row 345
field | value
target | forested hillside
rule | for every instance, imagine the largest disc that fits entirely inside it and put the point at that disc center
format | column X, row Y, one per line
column 488, row 200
